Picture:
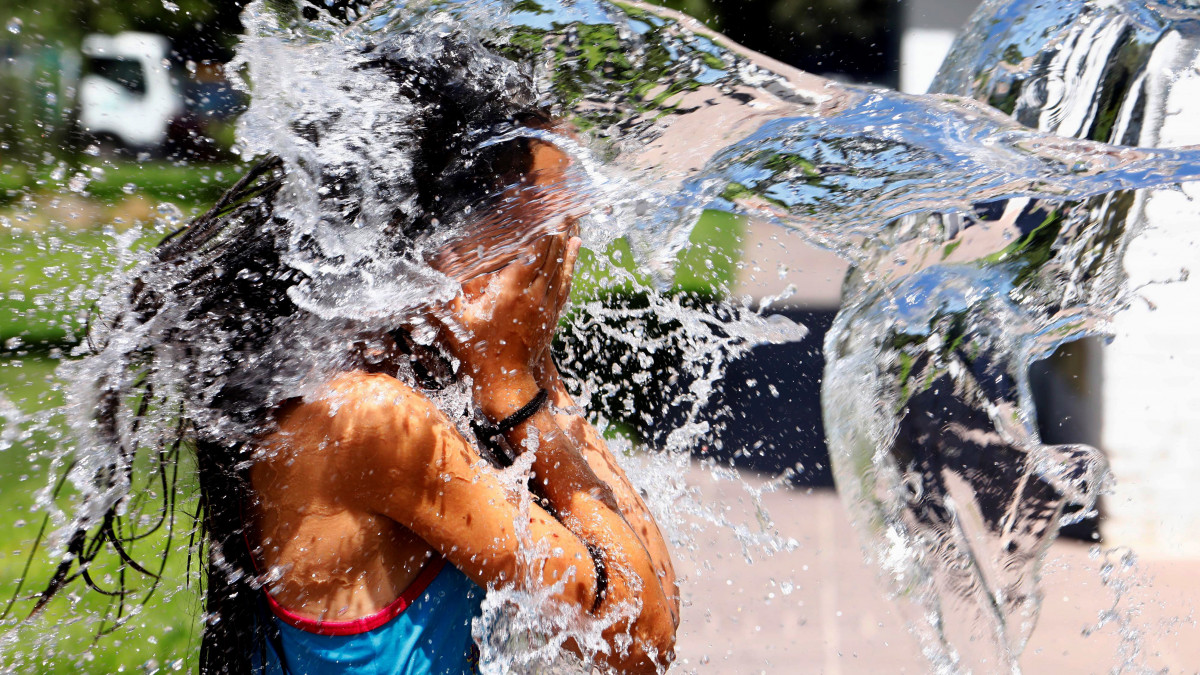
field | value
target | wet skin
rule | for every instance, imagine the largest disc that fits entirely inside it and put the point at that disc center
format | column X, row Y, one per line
column 363, row 483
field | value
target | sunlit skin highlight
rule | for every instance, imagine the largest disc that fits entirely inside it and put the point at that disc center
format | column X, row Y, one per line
column 363, row 483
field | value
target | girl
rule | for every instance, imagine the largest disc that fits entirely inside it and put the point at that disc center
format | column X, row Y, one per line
column 351, row 524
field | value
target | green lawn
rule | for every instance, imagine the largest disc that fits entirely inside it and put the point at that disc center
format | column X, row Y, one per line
column 158, row 180
column 49, row 280
column 707, row 267
column 62, row 640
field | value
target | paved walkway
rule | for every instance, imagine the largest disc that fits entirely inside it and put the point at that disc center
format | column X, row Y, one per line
column 834, row 619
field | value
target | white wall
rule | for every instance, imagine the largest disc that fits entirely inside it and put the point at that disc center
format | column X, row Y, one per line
column 929, row 29
column 1151, row 370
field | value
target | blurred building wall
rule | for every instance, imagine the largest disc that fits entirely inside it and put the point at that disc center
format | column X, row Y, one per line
column 929, row 30
column 1150, row 390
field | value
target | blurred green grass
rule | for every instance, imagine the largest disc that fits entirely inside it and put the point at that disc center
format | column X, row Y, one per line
column 61, row 641
column 49, row 273
column 165, row 181
column 706, row 267
column 49, row 277
column 44, row 282
column 48, row 280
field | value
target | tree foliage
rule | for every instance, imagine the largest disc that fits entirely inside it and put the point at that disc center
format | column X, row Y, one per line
column 203, row 28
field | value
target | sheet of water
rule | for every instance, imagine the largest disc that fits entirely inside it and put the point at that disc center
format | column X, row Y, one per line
column 980, row 245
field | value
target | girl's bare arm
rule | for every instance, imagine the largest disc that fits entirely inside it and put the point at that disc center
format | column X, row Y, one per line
column 402, row 458
column 509, row 319
column 591, row 506
column 595, row 450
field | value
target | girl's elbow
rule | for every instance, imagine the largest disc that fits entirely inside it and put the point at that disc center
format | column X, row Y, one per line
column 659, row 633
column 649, row 656
column 653, row 633
column 644, row 642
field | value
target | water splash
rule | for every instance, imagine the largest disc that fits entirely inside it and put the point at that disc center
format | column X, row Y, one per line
column 956, row 291
column 948, row 480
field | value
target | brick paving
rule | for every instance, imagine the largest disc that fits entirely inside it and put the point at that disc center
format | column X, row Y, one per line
column 835, row 619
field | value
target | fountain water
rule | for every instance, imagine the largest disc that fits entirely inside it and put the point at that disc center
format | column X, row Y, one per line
column 979, row 246
column 954, row 490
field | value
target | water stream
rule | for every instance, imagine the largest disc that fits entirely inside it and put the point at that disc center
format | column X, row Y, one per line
column 979, row 246
column 955, row 492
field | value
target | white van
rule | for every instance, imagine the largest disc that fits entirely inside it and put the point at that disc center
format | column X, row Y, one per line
column 126, row 91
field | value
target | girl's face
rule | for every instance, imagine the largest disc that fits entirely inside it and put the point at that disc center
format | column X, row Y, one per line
column 540, row 204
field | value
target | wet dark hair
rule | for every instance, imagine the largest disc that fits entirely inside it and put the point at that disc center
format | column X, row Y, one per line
column 220, row 292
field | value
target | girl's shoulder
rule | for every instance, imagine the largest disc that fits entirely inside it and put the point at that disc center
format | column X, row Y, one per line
column 355, row 392
column 353, row 424
column 361, row 387
column 354, row 407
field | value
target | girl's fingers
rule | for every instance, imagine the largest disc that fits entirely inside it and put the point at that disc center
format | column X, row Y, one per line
column 526, row 266
column 554, row 253
column 572, row 243
column 475, row 287
column 534, row 265
column 554, row 262
column 448, row 321
column 544, row 283
column 570, row 257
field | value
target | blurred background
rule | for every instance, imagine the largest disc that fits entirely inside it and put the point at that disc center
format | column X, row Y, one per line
column 120, row 114
column 117, row 124
column 145, row 77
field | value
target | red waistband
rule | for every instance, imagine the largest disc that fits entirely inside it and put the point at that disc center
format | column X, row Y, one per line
column 367, row 623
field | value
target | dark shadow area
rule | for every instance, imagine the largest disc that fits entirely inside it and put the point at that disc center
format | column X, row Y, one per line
column 765, row 412
column 1066, row 392
column 955, row 462
column 770, row 407
column 855, row 40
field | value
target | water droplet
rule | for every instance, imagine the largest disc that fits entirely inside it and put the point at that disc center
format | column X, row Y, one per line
column 170, row 6
column 129, row 188
column 15, row 25
column 78, row 182
column 169, row 215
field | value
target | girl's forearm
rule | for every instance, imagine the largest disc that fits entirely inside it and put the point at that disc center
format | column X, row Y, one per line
column 600, row 459
column 586, row 505
column 560, row 468
column 590, row 509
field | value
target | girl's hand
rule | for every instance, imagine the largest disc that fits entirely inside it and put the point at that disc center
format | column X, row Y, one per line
column 504, row 321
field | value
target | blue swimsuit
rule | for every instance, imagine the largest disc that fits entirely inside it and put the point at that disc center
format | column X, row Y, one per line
column 426, row 631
